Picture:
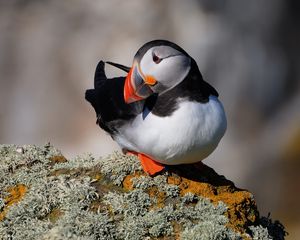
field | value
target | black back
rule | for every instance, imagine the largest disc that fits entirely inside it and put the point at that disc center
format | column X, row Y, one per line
column 141, row 52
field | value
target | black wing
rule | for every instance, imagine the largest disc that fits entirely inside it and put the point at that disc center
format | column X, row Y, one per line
column 108, row 101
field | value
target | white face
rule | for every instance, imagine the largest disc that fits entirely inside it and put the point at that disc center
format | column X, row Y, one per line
column 167, row 65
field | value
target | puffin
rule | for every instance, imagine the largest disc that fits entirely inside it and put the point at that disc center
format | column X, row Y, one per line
column 162, row 111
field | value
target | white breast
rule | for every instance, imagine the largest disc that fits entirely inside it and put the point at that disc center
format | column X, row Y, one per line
column 189, row 135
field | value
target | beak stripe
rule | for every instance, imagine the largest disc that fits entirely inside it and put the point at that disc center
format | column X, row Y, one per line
column 136, row 79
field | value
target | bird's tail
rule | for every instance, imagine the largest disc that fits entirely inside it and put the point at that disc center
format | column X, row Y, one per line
column 100, row 76
column 99, row 80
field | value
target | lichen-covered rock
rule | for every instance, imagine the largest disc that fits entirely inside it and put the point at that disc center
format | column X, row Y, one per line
column 202, row 182
column 45, row 196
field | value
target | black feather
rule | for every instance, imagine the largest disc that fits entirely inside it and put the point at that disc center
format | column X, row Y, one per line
column 100, row 76
column 120, row 66
column 108, row 101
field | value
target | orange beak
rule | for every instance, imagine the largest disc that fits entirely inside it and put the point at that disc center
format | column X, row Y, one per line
column 129, row 89
column 136, row 86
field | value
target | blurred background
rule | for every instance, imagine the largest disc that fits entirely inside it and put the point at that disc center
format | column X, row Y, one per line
column 248, row 50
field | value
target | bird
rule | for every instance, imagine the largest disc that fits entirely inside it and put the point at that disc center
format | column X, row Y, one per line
column 162, row 111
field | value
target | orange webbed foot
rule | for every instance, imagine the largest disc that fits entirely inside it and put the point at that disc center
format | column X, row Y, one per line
column 149, row 165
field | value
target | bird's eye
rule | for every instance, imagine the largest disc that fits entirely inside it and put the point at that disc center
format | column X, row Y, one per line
column 156, row 59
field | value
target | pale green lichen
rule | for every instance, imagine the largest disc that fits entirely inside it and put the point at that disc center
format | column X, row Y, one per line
column 117, row 166
column 260, row 233
column 2, row 204
column 82, row 161
column 132, row 209
column 146, row 182
column 24, row 164
column 82, row 224
column 208, row 231
column 69, row 189
column 189, row 198
column 268, row 230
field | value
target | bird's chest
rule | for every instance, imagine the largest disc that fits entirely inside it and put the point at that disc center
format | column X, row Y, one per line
column 193, row 126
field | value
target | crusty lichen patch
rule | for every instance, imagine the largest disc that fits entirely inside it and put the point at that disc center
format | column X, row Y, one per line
column 15, row 194
column 241, row 206
column 57, row 159
column 46, row 196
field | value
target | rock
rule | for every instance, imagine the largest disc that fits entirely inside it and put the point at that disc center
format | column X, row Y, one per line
column 46, row 196
column 202, row 181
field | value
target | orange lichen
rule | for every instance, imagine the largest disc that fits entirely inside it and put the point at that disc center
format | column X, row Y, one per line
column 174, row 180
column 54, row 215
column 237, row 201
column 127, row 183
column 15, row 194
column 152, row 191
column 57, row 159
column 177, row 229
column 96, row 176
column 159, row 195
column 205, row 182
column 95, row 205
